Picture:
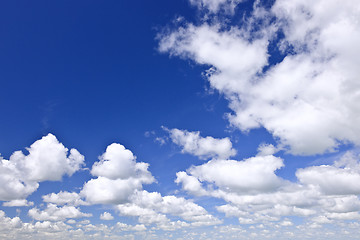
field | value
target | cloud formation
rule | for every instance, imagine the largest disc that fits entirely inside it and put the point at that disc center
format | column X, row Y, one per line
column 48, row 160
column 306, row 100
column 255, row 194
column 118, row 176
column 202, row 147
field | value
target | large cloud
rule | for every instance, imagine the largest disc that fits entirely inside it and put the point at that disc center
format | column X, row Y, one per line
column 48, row 160
column 308, row 99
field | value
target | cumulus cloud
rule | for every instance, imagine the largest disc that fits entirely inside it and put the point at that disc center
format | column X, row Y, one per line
column 152, row 208
column 48, row 160
column 202, row 147
column 18, row 203
column 256, row 194
column 118, row 176
column 250, row 175
column 63, row 197
column 308, row 99
column 106, row 216
column 340, row 179
column 54, row 213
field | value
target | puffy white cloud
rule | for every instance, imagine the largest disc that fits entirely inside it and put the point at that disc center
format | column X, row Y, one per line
column 54, row 213
column 340, row 179
column 119, row 175
column 153, row 208
column 116, row 162
column 190, row 184
column 308, row 99
column 127, row 227
column 62, row 198
column 48, row 160
column 255, row 194
column 255, row 174
column 106, row 216
column 203, row 147
column 267, row 149
column 18, row 203
column 107, row 191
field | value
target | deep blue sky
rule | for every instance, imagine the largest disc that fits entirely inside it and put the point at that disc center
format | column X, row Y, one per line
column 91, row 73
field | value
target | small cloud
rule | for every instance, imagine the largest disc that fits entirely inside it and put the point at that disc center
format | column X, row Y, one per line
column 106, row 216
column 18, row 203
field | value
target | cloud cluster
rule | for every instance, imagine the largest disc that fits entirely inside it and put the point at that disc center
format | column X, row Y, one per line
column 118, row 182
column 307, row 99
column 255, row 194
column 152, row 208
column 47, row 160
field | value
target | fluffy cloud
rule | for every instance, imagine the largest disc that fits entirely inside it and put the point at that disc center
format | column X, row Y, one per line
column 18, row 203
column 255, row 174
column 308, row 99
column 48, row 160
column 118, row 176
column 255, row 194
column 203, row 147
column 62, row 198
column 340, row 179
column 54, row 213
column 106, row 216
column 153, row 208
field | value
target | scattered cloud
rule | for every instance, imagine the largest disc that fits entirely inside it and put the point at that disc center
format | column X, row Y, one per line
column 202, row 147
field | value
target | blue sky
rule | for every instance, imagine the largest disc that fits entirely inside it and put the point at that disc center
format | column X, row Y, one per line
column 191, row 119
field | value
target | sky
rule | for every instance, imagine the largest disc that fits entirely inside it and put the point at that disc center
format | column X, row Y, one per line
column 187, row 119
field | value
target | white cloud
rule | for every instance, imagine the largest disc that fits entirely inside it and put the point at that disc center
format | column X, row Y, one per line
column 116, row 162
column 127, row 227
column 255, row 174
column 267, row 149
column 106, row 216
column 203, row 147
column 340, row 179
column 54, row 213
column 152, row 208
column 190, row 184
column 18, row 203
column 48, row 160
column 63, row 197
column 118, row 176
column 308, row 99
column 255, row 194
column 214, row 6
